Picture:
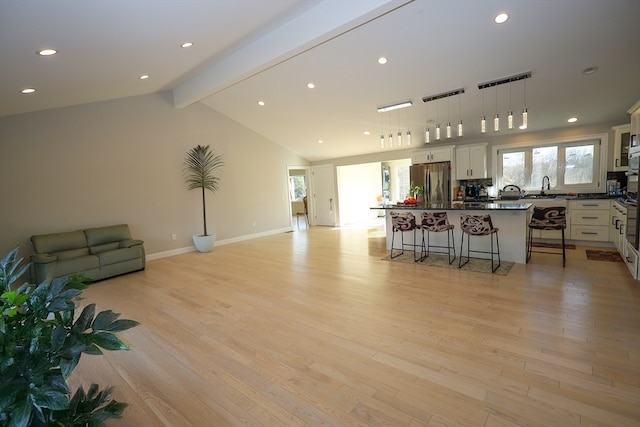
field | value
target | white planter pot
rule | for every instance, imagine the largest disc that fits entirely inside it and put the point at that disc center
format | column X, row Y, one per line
column 204, row 243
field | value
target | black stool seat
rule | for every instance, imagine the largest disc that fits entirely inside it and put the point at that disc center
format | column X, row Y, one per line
column 437, row 222
column 478, row 225
column 551, row 218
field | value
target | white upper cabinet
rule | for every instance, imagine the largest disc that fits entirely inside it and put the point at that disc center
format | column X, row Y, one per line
column 621, row 140
column 471, row 162
column 433, row 155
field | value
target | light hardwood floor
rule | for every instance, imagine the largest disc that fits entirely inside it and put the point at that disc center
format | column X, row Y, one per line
column 313, row 328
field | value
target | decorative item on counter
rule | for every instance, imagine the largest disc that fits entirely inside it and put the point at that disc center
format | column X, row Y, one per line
column 510, row 192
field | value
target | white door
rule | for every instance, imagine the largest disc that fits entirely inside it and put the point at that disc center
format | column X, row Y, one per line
column 324, row 198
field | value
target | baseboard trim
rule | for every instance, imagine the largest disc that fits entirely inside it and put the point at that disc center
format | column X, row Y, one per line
column 180, row 251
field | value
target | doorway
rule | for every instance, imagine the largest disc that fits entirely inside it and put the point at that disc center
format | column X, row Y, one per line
column 299, row 187
column 363, row 186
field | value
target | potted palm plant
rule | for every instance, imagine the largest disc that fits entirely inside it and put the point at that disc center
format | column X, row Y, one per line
column 202, row 167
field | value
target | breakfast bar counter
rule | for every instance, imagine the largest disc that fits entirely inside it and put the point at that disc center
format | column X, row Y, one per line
column 511, row 218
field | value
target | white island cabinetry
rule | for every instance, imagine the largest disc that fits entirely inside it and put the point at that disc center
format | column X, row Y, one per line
column 510, row 218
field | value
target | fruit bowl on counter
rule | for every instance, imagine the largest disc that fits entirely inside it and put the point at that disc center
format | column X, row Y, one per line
column 409, row 201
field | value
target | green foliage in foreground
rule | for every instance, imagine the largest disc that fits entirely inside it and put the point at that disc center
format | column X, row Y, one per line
column 41, row 342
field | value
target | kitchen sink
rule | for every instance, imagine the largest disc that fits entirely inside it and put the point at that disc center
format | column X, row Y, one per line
column 540, row 196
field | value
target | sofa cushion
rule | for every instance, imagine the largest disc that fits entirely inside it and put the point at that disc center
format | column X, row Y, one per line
column 102, row 235
column 130, row 242
column 76, row 265
column 104, row 248
column 56, row 242
column 118, row 255
column 72, row 253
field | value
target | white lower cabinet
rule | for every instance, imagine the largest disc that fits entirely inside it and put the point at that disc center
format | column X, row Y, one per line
column 630, row 257
column 590, row 220
column 617, row 226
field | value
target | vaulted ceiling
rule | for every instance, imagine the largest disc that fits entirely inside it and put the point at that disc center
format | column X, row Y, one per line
column 255, row 50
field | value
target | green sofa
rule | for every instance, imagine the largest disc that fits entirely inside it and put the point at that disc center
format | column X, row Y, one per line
column 98, row 253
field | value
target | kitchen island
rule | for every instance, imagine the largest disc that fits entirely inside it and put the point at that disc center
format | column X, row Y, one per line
column 511, row 219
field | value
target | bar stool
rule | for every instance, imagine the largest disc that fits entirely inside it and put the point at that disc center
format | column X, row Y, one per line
column 304, row 214
column 551, row 218
column 403, row 222
column 437, row 222
column 478, row 225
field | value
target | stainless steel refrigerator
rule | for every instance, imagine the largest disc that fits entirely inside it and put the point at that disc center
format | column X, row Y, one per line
column 435, row 179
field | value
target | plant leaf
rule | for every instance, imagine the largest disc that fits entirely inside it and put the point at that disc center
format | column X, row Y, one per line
column 51, row 399
column 109, row 341
column 67, row 365
column 122, row 325
column 58, row 337
column 20, row 417
column 85, row 319
column 103, row 320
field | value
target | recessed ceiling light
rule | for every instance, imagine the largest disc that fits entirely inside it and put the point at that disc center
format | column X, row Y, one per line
column 366, row 132
column 261, row 103
column 572, row 119
column 186, row 44
column 589, row 70
column 27, row 90
column 501, row 18
column 310, row 85
column 47, row 52
column 144, row 77
column 382, row 60
column 320, row 141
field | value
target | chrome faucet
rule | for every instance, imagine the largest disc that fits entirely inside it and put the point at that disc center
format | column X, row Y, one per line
column 548, row 184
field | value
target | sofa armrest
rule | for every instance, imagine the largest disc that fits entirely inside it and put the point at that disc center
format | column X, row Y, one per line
column 43, row 258
column 130, row 242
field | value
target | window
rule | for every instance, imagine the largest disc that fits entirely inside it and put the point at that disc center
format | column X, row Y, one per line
column 403, row 181
column 297, row 188
column 570, row 166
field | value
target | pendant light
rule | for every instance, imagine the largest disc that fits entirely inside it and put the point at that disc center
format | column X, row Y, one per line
column 390, row 140
column 459, row 118
column 448, row 133
column 510, row 114
column 399, row 138
column 496, row 118
column 437, row 122
column 427, row 131
column 408, row 131
column 483, row 119
column 448, row 129
column 525, row 121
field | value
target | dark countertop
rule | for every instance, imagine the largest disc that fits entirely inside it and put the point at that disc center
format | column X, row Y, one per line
column 484, row 206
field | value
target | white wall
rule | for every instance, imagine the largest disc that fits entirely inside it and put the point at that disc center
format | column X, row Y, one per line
column 121, row 161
